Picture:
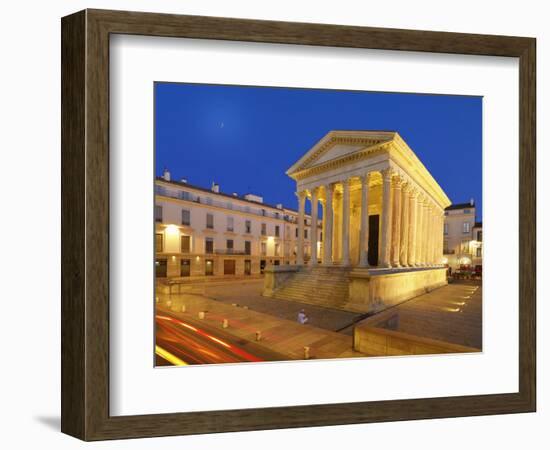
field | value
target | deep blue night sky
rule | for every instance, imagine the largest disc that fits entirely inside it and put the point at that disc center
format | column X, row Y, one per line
column 245, row 138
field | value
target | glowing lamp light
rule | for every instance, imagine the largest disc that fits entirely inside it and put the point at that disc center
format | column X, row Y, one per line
column 172, row 229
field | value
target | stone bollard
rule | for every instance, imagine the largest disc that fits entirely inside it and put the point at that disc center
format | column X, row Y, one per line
column 258, row 335
column 201, row 314
column 168, row 303
column 306, row 352
column 225, row 323
column 183, row 308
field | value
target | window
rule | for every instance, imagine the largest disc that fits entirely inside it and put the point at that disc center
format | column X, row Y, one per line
column 296, row 232
column 229, row 245
column 446, row 228
column 264, row 229
column 276, row 215
column 208, row 201
column 247, row 247
column 480, row 236
column 277, row 230
column 478, row 252
column 320, row 236
column 277, row 249
column 466, row 227
column 159, row 242
column 230, row 223
column 210, row 221
column 209, row 245
column 229, row 205
column 446, row 247
column 465, row 246
column 467, row 211
column 185, row 195
column 185, row 244
column 263, row 212
column 158, row 213
column 248, row 226
column 264, row 248
column 185, row 217
column 305, row 233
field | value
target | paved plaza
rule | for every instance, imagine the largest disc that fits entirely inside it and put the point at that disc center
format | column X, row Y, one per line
column 451, row 314
column 286, row 337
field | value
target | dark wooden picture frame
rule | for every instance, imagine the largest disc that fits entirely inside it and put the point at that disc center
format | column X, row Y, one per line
column 85, row 224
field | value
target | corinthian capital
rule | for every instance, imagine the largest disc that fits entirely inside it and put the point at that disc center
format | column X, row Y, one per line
column 387, row 173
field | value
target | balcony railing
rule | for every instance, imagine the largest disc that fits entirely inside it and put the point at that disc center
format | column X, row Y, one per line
column 230, row 251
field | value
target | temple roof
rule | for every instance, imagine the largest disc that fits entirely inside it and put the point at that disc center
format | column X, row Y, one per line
column 345, row 147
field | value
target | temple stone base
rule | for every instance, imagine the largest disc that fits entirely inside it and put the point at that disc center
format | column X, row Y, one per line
column 356, row 290
column 321, row 286
column 276, row 277
column 376, row 290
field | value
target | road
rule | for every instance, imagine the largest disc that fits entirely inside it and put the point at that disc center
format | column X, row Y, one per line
column 182, row 342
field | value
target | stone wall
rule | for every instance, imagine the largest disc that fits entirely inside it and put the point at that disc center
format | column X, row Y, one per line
column 373, row 291
column 381, row 342
column 277, row 276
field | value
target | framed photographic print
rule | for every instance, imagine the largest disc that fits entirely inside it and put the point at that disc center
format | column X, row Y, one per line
column 270, row 224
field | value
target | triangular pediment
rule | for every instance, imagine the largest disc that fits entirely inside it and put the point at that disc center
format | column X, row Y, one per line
column 338, row 144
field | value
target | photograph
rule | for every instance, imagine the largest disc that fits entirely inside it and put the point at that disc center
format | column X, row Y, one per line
column 310, row 224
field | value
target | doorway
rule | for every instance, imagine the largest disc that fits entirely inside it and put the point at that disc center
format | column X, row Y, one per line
column 209, row 267
column 229, row 267
column 160, row 268
column 185, row 270
column 374, row 227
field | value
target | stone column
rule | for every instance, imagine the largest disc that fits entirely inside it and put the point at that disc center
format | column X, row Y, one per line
column 301, row 213
column 404, row 239
column 420, row 233
column 328, row 215
column 396, row 222
column 426, row 234
column 385, row 239
column 345, row 224
column 435, row 229
column 431, row 237
column 411, row 254
column 364, row 232
column 314, row 206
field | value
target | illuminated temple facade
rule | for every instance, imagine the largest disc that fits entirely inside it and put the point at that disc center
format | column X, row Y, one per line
column 383, row 218
column 381, row 206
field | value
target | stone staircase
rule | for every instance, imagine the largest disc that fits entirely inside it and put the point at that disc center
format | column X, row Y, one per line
column 320, row 286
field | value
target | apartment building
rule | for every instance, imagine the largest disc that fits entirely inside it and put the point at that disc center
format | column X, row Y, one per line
column 202, row 232
column 462, row 237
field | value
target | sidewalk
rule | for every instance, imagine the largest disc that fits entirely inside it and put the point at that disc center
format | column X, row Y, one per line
column 451, row 314
column 280, row 335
